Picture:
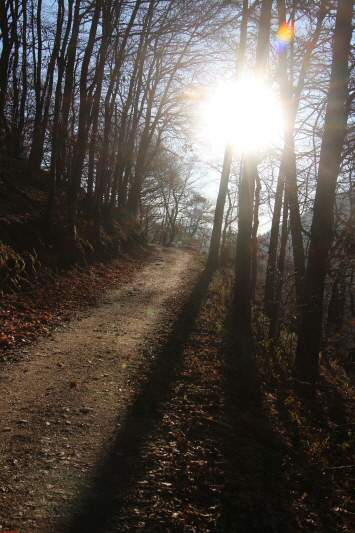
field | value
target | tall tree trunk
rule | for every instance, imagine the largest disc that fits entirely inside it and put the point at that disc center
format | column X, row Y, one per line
column 271, row 270
column 15, row 84
column 63, row 132
column 276, row 303
column 336, row 306
column 53, row 178
column 290, row 107
column 225, row 252
column 254, row 236
column 308, row 346
column 295, row 218
column 35, row 157
column 242, row 287
column 18, row 140
column 7, row 36
column 84, row 108
column 242, row 284
column 213, row 254
column 110, row 101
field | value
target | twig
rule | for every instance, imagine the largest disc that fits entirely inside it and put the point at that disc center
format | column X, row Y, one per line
column 337, row 467
column 217, row 422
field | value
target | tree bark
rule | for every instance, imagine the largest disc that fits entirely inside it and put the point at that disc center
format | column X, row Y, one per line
column 84, row 108
column 290, row 107
column 110, row 100
column 309, row 338
column 242, row 284
column 213, row 254
column 67, row 95
column 276, row 303
column 254, row 236
column 7, row 34
column 243, row 287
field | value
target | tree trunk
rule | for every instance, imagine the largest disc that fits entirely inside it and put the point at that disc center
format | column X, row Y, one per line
column 276, row 304
column 83, row 119
column 18, row 134
column 35, row 157
column 307, row 354
column 336, row 306
column 7, row 44
column 213, row 254
column 290, row 107
column 242, row 287
column 67, row 95
column 271, row 270
column 49, row 212
column 295, row 218
column 254, row 237
column 110, row 102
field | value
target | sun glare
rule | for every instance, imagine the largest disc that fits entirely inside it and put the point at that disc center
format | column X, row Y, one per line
column 247, row 113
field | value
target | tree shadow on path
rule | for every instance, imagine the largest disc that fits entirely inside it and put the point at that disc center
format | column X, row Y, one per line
column 98, row 508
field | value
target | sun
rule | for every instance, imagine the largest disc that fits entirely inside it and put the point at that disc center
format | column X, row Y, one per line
column 246, row 113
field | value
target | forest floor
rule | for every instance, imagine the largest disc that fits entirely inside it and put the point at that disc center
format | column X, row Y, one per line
column 135, row 413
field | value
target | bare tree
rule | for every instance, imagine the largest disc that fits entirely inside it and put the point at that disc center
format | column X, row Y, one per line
column 242, row 286
column 287, row 179
column 213, row 254
column 307, row 355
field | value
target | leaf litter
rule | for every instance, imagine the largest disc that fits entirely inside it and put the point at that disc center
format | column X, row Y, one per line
column 210, row 462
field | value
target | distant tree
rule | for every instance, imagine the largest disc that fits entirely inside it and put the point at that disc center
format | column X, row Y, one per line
column 169, row 199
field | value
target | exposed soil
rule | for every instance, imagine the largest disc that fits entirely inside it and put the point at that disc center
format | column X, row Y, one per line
column 140, row 416
column 63, row 405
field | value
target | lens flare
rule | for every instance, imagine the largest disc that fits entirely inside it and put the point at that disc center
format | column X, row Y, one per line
column 285, row 35
column 286, row 32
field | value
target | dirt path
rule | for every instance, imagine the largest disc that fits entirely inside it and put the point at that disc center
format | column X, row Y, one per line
column 63, row 405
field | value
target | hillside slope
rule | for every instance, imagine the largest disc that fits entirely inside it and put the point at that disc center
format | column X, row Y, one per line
column 29, row 250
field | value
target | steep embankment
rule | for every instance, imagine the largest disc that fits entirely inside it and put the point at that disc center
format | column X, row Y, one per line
column 31, row 252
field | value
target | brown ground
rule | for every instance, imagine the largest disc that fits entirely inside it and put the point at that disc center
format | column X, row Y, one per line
column 140, row 416
column 63, row 405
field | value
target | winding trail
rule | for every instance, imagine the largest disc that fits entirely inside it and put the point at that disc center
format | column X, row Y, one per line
column 61, row 407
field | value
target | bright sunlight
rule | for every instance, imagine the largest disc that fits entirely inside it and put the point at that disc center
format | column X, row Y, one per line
column 247, row 113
